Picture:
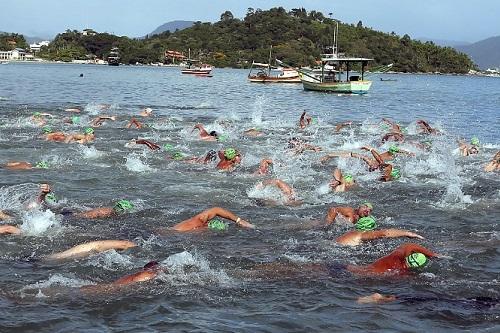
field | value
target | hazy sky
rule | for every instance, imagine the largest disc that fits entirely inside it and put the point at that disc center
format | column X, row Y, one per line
column 461, row 20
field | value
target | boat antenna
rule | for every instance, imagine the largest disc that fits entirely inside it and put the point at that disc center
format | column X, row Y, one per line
column 269, row 64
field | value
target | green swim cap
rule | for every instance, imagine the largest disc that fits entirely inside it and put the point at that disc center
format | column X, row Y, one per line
column 367, row 204
column 89, row 130
column 177, row 156
column 51, row 198
column 393, row 149
column 216, row 225
column 416, row 260
column 122, row 206
column 222, row 138
column 313, row 120
column 46, row 130
column 230, row 153
column 348, row 178
column 42, row 165
column 168, row 146
column 37, row 114
column 395, row 173
column 366, row 223
column 474, row 141
column 75, row 119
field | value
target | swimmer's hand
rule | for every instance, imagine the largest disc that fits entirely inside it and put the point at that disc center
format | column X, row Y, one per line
column 245, row 224
column 413, row 235
column 45, row 188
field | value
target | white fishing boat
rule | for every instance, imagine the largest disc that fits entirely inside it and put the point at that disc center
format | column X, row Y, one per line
column 196, row 67
column 263, row 73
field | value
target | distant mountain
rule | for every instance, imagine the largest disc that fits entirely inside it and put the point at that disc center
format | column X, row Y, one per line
column 29, row 39
column 444, row 42
column 172, row 27
column 485, row 53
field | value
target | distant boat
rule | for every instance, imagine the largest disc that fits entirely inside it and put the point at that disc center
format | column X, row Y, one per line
column 387, row 80
column 195, row 66
column 114, row 57
column 333, row 80
column 264, row 73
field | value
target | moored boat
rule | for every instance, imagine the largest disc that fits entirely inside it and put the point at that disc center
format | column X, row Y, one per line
column 264, row 73
column 114, row 57
column 194, row 66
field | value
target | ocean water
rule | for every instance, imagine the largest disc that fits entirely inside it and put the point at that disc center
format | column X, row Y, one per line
column 216, row 281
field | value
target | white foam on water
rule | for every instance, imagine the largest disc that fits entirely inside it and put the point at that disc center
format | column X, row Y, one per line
column 135, row 163
column 269, row 192
column 36, row 223
column 203, row 105
column 90, row 153
column 57, row 280
column 15, row 197
column 110, row 260
column 258, row 109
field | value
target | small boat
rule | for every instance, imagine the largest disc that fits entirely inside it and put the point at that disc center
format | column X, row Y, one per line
column 340, row 78
column 264, row 73
column 387, row 80
column 194, row 66
column 114, row 57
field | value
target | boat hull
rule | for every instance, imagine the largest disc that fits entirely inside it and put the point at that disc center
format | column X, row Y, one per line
column 353, row 87
column 270, row 79
column 196, row 71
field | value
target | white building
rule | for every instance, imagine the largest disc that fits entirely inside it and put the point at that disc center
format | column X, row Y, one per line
column 35, row 47
column 16, row 54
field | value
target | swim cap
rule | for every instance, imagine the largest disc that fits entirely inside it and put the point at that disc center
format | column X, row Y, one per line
column 474, row 141
column 168, row 146
column 37, row 114
column 47, row 130
column 217, row 225
column 75, row 119
column 177, row 156
column 230, row 153
column 42, row 165
column 122, row 206
column 367, row 204
column 51, row 198
column 222, row 138
column 393, row 149
column 366, row 223
column 348, row 178
column 89, row 130
column 395, row 173
column 416, row 260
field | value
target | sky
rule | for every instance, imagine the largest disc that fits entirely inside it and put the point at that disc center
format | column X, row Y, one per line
column 458, row 20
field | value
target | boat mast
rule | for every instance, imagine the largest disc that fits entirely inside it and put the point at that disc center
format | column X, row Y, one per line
column 269, row 63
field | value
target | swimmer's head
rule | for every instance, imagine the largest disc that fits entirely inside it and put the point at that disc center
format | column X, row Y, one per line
column 367, row 204
column 365, row 209
column 393, row 149
column 416, row 260
column 51, row 198
column 216, row 225
column 366, row 223
column 214, row 133
column 395, row 173
column 46, row 130
column 167, row 147
column 177, row 156
column 474, row 141
column 123, row 206
column 37, row 114
column 230, row 153
column 348, row 178
column 75, row 120
column 89, row 130
column 211, row 156
column 42, row 165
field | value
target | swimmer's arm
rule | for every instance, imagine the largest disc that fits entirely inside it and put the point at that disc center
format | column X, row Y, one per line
column 4, row 216
column 376, row 156
column 44, row 190
column 339, row 126
column 331, row 215
column 151, row 145
column 311, row 147
column 218, row 211
column 409, row 248
column 9, row 229
column 329, row 156
column 405, row 152
column 388, row 233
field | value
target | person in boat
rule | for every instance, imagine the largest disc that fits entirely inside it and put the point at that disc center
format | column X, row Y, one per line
column 365, row 230
column 86, row 137
column 210, row 219
column 425, row 128
column 135, row 122
column 265, row 167
column 494, row 164
column 23, row 165
column 340, row 182
column 348, row 213
column 298, row 146
column 149, row 144
column 229, row 159
column 204, row 135
column 305, row 120
column 253, row 132
column 287, row 191
column 472, row 149
column 89, row 248
column 98, row 121
column 146, row 112
column 120, row 207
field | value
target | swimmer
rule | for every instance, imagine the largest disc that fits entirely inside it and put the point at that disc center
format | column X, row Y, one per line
column 207, row 219
column 210, row 157
column 146, row 112
column 73, row 120
column 305, row 120
column 204, row 135
column 398, row 137
column 340, row 126
column 4, row 216
column 286, row 189
column 389, row 155
column 365, row 231
column 75, row 110
column 472, row 149
column 494, row 164
column 98, row 121
column 264, row 167
column 341, row 183
column 350, row 214
column 135, row 123
column 119, row 208
column 425, row 128
column 481, row 302
column 298, row 146
column 389, row 173
column 229, row 159
column 20, row 165
column 89, row 248
column 395, row 128
column 86, row 137
column 403, row 260
column 38, row 118
column 253, row 132
column 149, row 144
column 9, row 229
column 49, row 135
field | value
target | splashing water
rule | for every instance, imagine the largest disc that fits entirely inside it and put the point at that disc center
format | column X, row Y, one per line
column 134, row 163
column 36, row 223
column 90, row 153
column 110, row 260
column 16, row 196
column 258, row 109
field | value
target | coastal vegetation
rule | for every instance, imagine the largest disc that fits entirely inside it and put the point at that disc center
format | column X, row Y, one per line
column 298, row 38
column 10, row 41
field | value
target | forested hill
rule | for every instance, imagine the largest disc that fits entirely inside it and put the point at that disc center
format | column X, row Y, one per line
column 298, row 38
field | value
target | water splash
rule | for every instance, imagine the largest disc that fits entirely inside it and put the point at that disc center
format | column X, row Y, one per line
column 36, row 223
column 90, row 152
column 135, row 163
